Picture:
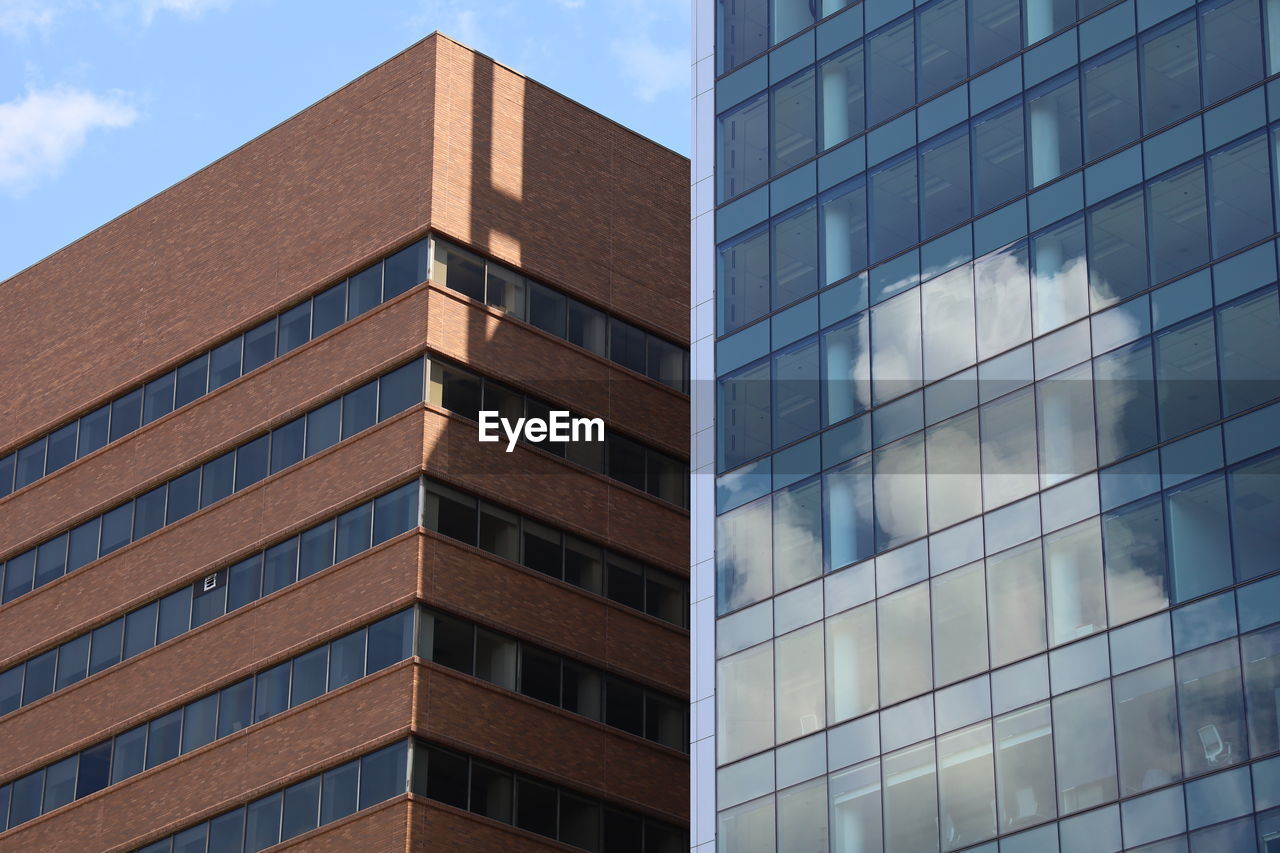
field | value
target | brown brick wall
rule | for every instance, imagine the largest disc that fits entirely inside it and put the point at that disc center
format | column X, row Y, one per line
column 228, row 772
column 436, row 138
column 487, row 721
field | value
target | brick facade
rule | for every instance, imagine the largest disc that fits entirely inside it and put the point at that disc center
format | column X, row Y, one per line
column 437, row 139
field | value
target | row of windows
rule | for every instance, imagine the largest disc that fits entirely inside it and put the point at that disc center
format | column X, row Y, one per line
column 1139, row 731
column 617, row 457
column 229, row 589
column 1112, row 99
column 452, row 642
column 949, row 40
column 210, row 370
column 448, row 511
column 1204, row 209
column 438, row 774
column 209, row 718
column 1153, row 389
column 1036, row 437
column 870, row 808
column 935, row 633
column 209, row 483
column 541, row 807
column 560, row 315
column 302, row 807
column 1196, row 537
column 554, row 679
column 552, row 552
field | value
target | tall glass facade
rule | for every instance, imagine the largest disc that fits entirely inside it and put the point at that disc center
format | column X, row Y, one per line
column 986, row 427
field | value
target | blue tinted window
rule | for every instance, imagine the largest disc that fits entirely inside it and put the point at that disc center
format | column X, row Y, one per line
column 323, row 427
column 193, row 381
column 93, row 431
column 400, row 389
column 364, row 291
column 359, row 409
column 126, row 414
column 259, row 345
column 224, row 363
column 280, row 566
column 157, row 398
column 184, row 496
column 252, row 462
column 287, row 444
column 329, row 309
column 217, row 478
column 891, row 71
column 117, row 529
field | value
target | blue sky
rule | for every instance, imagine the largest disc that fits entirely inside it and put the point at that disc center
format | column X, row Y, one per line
column 104, row 103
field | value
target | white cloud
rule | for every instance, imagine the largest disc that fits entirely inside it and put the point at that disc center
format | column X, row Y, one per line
column 19, row 17
column 652, row 69
column 42, row 130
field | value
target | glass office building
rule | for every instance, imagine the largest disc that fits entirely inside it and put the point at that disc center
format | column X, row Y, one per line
column 986, row 429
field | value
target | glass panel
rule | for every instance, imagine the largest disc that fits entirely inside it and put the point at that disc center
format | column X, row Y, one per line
column 1008, row 448
column 795, row 256
column 844, row 231
column 959, row 624
column 1024, row 767
column 364, row 291
column 796, row 407
column 259, row 345
column 906, row 665
column 354, row 530
column 458, row 270
column 799, row 684
column 742, row 281
column 999, row 157
column 287, row 444
column 199, row 723
column 1261, row 653
column 310, row 675
column 1179, row 224
column 802, row 816
column 1246, row 335
column 846, row 369
column 1003, row 295
column 1231, row 35
column 1240, row 179
column 1060, row 288
column 1053, row 124
column 1255, row 505
column 346, row 659
column 910, row 801
column 1084, row 748
column 901, row 513
column 301, row 808
column 235, row 707
column 794, row 111
column 1146, row 719
column 504, row 290
column 743, row 569
column 163, row 738
column 943, row 57
column 404, row 269
column 944, row 182
column 339, row 792
column 1211, row 704
column 128, row 755
column 1170, row 76
column 272, row 692
column 157, row 398
column 1111, row 110
column 967, row 786
column 1124, row 389
column 954, row 482
column 547, row 309
column 742, row 30
column 262, row 823
column 1137, row 575
column 847, row 513
column 894, row 208
column 891, row 70
column 1073, row 572
column 995, row 31
column 896, row 367
column 949, row 330
column 843, row 97
column 748, row 828
column 1199, row 543
column 359, row 409
column 328, row 309
column 744, row 724
column 1015, row 602
column 797, row 535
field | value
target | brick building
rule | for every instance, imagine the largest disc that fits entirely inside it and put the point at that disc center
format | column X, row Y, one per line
column 261, row 583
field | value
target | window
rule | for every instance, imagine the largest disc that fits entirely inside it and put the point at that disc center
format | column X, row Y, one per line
column 744, row 724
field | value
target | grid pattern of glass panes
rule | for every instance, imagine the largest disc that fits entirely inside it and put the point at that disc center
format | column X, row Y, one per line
column 997, row 431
